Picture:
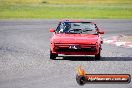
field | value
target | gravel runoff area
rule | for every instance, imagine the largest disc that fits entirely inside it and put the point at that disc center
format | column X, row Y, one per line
column 120, row 40
column 126, row 38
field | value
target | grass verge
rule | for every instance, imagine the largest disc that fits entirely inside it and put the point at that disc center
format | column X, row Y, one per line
column 60, row 11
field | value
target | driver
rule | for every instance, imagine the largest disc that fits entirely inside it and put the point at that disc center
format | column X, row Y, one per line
column 66, row 27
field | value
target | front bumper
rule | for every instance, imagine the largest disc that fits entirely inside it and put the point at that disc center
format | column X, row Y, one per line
column 76, row 49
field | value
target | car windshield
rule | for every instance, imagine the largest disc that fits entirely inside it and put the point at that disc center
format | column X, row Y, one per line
column 77, row 28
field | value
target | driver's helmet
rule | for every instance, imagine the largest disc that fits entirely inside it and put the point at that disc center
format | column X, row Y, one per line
column 67, row 26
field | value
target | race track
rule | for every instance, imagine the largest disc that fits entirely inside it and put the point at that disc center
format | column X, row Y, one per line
column 25, row 63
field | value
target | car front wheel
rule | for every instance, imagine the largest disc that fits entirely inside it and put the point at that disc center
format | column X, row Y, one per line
column 52, row 55
column 98, row 56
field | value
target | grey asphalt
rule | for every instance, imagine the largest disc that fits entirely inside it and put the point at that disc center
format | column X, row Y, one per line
column 25, row 63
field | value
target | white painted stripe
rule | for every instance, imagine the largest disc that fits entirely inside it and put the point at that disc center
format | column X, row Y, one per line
column 108, row 41
column 120, row 43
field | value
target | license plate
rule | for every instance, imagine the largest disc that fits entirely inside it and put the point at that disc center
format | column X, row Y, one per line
column 74, row 47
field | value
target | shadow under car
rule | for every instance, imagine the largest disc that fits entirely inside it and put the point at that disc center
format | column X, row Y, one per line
column 92, row 58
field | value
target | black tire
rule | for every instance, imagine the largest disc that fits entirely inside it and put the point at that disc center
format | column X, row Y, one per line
column 53, row 56
column 98, row 56
column 80, row 80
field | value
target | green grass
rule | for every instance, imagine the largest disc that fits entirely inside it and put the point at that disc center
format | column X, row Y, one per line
column 57, row 9
column 67, row 1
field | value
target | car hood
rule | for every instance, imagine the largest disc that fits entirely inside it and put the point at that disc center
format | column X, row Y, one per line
column 75, row 38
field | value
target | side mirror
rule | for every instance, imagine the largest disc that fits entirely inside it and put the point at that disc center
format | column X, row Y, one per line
column 52, row 30
column 101, row 32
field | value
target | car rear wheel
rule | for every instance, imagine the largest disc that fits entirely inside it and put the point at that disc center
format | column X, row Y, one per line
column 53, row 56
column 98, row 56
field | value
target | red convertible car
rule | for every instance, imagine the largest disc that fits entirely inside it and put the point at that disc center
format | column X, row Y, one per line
column 76, row 38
